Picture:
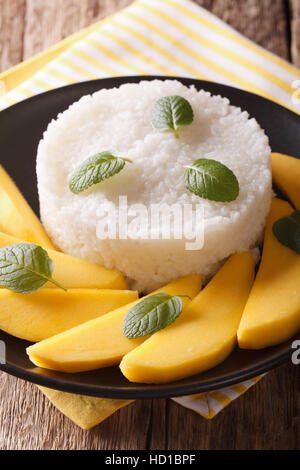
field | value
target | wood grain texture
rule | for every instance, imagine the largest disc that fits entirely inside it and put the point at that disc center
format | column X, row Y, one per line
column 267, row 416
column 295, row 31
column 263, row 21
column 29, row 26
column 12, row 24
column 49, row 22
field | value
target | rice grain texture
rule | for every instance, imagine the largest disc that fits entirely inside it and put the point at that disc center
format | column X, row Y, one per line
column 119, row 120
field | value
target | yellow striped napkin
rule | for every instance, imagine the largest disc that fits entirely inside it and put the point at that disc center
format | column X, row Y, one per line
column 166, row 37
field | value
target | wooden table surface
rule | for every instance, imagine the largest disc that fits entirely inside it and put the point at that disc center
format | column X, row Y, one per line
column 266, row 417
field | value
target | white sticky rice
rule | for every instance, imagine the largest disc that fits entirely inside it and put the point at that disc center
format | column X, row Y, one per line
column 120, row 120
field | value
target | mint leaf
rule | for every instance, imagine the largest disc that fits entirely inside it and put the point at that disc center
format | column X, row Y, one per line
column 211, row 180
column 287, row 231
column 151, row 314
column 25, row 268
column 95, row 169
column 170, row 113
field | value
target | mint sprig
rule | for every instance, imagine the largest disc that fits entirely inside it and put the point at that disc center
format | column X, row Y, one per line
column 211, row 180
column 287, row 231
column 152, row 314
column 170, row 113
column 25, row 268
column 95, row 169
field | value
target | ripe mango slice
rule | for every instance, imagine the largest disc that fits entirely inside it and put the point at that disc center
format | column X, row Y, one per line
column 272, row 313
column 100, row 342
column 75, row 273
column 203, row 336
column 47, row 312
column 286, row 175
column 16, row 216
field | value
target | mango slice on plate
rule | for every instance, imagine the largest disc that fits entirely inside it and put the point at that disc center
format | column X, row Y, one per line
column 47, row 312
column 286, row 175
column 203, row 336
column 16, row 216
column 75, row 273
column 100, row 342
column 272, row 313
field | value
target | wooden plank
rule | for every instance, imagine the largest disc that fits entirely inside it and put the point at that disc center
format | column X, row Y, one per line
column 266, row 417
column 295, row 30
column 255, row 19
column 49, row 22
column 12, row 21
column 29, row 421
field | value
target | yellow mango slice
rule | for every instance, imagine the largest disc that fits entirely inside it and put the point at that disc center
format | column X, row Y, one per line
column 47, row 312
column 286, row 175
column 73, row 273
column 100, row 342
column 16, row 216
column 272, row 313
column 203, row 336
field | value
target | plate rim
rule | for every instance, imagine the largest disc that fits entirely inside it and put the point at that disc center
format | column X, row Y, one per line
column 168, row 390
column 171, row 389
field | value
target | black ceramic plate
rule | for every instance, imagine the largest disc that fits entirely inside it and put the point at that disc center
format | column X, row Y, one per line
column 21, row 127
